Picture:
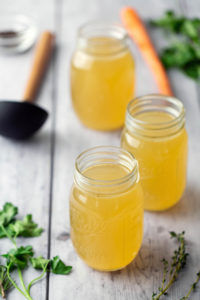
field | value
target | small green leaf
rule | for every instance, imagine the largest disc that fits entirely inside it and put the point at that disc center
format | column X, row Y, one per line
column 190, row 29
column 7, row 214
column 39, row 262
column 25, row 228
column 58, row 266
column 169, row 22
column 2, row 233
column 178, row 55
column 192, row 70
column 173, row 234
column 18, row 257
column 153, row 296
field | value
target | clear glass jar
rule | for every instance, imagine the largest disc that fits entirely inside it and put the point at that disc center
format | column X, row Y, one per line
column 155, row 133
column 106, row 208
column 17, row 33
column 102, row 76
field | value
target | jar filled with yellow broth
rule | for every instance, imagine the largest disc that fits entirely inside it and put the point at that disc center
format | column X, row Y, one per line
column 155, row 133
column 102, row 76
column 106, row 208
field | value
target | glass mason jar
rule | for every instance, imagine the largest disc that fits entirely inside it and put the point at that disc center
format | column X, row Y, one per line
column 155, row 133
column 102, row 76
column 106, row 208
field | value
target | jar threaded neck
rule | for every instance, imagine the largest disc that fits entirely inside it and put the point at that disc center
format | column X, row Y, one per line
column 102, row 38
column 106, row 155
column 155, row 103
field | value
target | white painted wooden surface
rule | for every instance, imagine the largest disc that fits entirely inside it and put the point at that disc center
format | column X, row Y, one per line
column 37, row 175
column 25, row 167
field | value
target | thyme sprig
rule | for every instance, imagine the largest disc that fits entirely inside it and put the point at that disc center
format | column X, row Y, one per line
column 193, row 287
column 178, row 262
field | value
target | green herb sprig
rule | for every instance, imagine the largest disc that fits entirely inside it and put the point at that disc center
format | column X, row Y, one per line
column 22, row 257
column 192, row 288
column 172, row 270
column 5, row 284
column 184, row 53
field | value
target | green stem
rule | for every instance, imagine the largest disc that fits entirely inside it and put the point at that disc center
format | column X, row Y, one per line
column 23, row 285
column 9, row 236
column 192, row 287
column 165, row 289
column 188, row 294
column 178, row 267
column 2, row 290
column 174, row 275
column 37, row 278
column 164, row 273
column 13, row 283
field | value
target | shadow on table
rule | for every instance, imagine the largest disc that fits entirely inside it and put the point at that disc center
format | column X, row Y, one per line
column 188, row 206
column 147, row 266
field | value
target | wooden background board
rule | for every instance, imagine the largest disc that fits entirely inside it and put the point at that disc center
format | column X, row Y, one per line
column 37, row 175
column 25, row 167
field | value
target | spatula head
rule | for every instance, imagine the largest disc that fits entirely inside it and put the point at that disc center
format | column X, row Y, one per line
column 20, row 120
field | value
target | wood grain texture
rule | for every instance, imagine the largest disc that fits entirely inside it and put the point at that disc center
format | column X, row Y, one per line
column 140, row 278
column 25, row 166
column 37, row 175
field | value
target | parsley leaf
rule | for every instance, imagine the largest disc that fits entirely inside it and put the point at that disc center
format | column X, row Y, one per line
column 192, row 70
column 178, row 55
column 7, row 214
column 184, row 54
column 181, row 25
column 58, row 266
column 18, row 258
column 25, row 228
column 191, row 28
column 169, row 22
column 39, row 262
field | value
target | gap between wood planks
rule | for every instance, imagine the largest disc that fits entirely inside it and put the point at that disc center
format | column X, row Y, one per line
column 57, row 27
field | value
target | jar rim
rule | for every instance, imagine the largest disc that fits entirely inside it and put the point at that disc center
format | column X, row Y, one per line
column 92, row 38
column 102, row 25
column 107, row 150
column 177, row 122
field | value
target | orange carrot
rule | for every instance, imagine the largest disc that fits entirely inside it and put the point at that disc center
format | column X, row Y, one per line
column 138, row 33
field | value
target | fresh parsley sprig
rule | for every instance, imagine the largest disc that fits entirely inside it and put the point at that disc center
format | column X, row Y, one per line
column 184, row 53
column 22, row 257
column 12, row 227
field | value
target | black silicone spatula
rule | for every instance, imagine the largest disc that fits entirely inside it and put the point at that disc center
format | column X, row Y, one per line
column 19, row 120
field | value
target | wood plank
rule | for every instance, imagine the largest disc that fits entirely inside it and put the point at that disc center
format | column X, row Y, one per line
column 25, row 166
column 139, row 279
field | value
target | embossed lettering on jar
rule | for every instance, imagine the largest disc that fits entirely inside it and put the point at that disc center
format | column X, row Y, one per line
column 155, row 133
column 106, row 208
column 102, row 76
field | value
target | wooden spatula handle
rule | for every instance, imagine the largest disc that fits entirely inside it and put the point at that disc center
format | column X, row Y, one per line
column 42, row 55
